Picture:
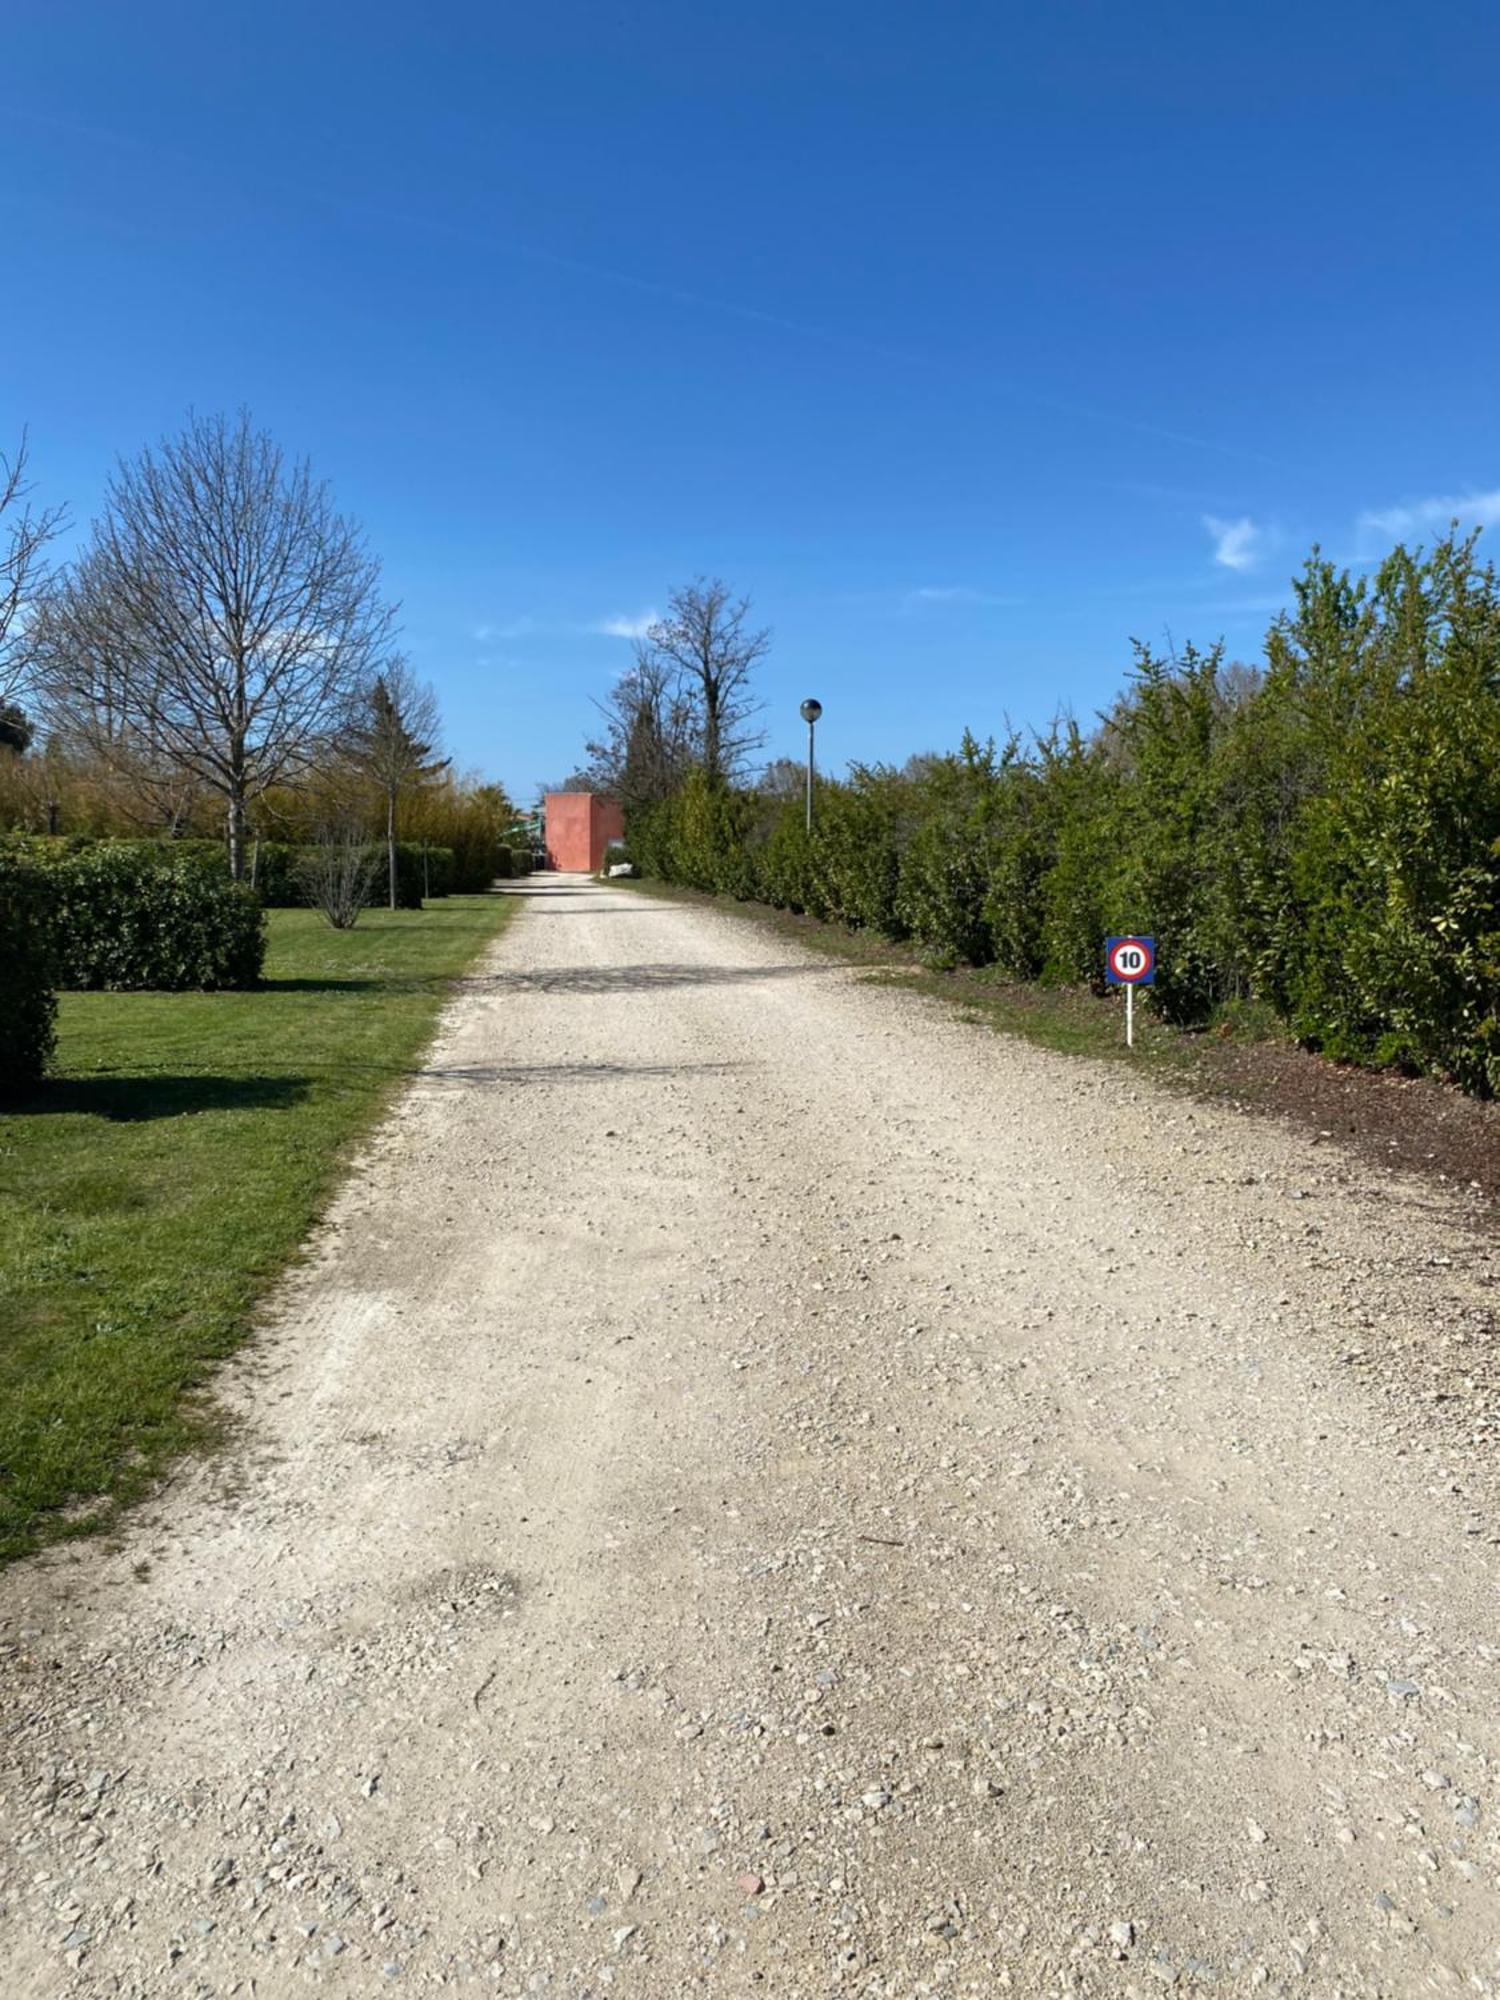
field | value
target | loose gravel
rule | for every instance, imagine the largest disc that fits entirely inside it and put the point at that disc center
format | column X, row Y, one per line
column 764, row 1488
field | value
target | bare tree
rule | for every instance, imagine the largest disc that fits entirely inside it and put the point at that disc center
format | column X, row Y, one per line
column 783, row 778
column 392, row 740
column 237, row 610
column 646, row 747
column 24, row 535
column 337, row 871
column 703, row 645
column 87, row 671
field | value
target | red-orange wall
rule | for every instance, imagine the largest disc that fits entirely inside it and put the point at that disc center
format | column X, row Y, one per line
column 579, row 826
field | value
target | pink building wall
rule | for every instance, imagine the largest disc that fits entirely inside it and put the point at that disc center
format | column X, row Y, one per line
column 578, row 828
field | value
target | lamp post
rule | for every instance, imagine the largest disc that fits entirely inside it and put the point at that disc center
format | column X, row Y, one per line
column 811, row 710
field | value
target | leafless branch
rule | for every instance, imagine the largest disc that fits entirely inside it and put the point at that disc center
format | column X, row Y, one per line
column 25, row 533
column 647, row 744
column 704, row 645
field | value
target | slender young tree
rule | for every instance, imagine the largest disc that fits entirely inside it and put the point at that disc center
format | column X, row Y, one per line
column 237, row 610
column 392, row 741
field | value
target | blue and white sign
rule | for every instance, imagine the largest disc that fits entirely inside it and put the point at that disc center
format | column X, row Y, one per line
column 1130, row 961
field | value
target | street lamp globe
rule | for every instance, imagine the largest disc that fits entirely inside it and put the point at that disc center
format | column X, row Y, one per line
column 811, row 710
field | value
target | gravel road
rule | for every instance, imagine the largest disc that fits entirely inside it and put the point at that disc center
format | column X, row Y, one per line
column 763, row 1487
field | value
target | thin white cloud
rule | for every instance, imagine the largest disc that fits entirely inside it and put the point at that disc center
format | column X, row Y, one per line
column 622, row 626
column 513, row 628
column 1238, row 544
column 1433, row 515
column 952, row 593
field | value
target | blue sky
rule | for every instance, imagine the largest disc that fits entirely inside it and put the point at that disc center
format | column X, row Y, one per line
column 970, row 340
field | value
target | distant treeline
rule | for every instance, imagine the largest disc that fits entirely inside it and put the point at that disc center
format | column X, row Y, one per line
column 1319, row 835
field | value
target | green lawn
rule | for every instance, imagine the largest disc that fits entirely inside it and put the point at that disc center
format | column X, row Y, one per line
column 155, row 1186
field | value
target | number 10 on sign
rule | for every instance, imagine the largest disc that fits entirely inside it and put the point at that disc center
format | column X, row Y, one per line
column 1130, row 962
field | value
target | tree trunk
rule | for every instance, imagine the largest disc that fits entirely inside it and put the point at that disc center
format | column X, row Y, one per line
column 390, row 839
column 237, row 835
column 237, row 776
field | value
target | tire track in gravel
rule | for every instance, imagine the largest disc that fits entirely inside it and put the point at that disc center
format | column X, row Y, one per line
column 764, row 1488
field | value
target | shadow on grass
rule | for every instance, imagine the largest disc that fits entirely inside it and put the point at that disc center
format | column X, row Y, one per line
column 127, row 1100
column 319, row 985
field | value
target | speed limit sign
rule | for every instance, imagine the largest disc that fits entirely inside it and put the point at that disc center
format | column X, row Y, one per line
column 1130, row 961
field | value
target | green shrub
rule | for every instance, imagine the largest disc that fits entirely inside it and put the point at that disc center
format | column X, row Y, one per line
column 1394, row 861
column 476, row 861
column 651, row 832
column 781, row 866
column 1021, row 830
column 122, row 919
column 941, row 897
column 1159, row 878
column 409, row 876
column 28, row 1007
column 434, row 867
column 708, row 834
column 858, row 831
column 944, row 878
column 1073, row 888
column 271, row 870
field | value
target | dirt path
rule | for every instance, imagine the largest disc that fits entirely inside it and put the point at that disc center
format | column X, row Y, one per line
column 765, row 1488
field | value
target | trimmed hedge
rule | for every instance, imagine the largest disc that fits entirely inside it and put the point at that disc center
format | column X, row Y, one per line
column 511, row 862
column 276, row 869
column 273, row 863
column 121, row 919
column 411, row 876
column 28, row 1007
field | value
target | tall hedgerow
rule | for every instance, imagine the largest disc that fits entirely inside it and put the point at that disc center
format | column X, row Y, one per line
column 1320, row 833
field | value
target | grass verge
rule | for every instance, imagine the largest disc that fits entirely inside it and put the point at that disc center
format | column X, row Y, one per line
column 168, row 1171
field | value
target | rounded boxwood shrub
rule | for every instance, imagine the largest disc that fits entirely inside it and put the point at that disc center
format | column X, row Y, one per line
column 28, row 1007
column 123, row 919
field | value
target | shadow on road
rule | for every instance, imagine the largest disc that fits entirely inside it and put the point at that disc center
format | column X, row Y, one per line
column 530, row 886
column 641, row 978
column 574, row 1072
